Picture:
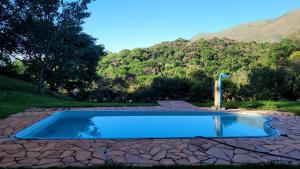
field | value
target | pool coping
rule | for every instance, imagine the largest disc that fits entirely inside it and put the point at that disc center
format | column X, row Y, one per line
column 268, row 122
column 145, row 152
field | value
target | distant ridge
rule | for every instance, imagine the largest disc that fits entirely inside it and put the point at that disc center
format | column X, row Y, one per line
column 271, row 30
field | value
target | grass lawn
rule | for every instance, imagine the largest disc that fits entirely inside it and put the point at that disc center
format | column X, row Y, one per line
column 248, row 166
column 16, row 96
column 289, row 106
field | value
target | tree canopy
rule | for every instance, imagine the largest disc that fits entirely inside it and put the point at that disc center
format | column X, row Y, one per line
column 258, row 70
column 47, row 37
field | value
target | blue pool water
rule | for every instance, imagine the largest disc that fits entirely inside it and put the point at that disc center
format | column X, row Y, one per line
column 146, row 124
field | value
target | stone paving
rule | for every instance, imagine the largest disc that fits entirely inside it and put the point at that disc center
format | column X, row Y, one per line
column 146, row 152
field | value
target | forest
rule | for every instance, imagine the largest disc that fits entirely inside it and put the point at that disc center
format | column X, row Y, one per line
column 44, row 43
column 182, row 69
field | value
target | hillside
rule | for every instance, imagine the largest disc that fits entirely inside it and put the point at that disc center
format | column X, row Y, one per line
column 271, row 30
column 17, row 95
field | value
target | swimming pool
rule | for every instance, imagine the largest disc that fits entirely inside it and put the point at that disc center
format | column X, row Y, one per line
column 146, row 124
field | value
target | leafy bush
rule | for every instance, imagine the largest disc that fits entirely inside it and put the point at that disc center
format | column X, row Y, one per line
column 170, row 88
column 202, row 86
column 102, row 95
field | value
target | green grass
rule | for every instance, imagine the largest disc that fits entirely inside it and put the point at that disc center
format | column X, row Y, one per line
column 248, row 166
column 7, row 83
column 16, row 96
column 288, row 106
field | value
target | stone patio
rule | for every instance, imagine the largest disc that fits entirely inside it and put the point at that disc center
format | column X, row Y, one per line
column 146, row 152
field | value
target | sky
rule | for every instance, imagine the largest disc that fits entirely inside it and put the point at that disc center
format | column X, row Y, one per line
column 128, row 24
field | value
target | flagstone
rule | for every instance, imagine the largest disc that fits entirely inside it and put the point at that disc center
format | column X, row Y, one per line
column 69, row 160
column 53, row 164
column 30, row 145
column 160, row 155
column 180, row 154
column 9, row 164
column 133, row 151
column 100, row 153
column 273, row 147
column 96, row 161
column 166, row 162
column 29, row 161
column 182, row 162
column 182, row 146
column 36, row 149
column 136, row 146
column 210, row 161
column 202, row 157
column 222, row 162
column 240, row 151
column 146, row 156
column 6, row 159
column 10, row 146
column 83, row 145
column 192, row 148
column 166, row 146
column 119, row 159
column 115, row 153
column 172, row 156
column 33, row 154
column 295, row 153
column 47, row 161
column 10, row 151
column 49, row 146
column 193, row 159
column 144, row 152
column 138, row 160
column 48, row 153
column 243, row 158
column 199, row 153
column 82, row 155
column 18, row 154
column 216, row 152
column 187, row 152
column 66, row 154
column 2, row 154
column 155, row 150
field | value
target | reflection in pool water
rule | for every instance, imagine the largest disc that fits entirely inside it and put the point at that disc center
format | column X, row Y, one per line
column 228, row 121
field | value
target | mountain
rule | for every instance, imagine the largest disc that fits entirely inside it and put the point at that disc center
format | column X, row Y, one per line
column 271, row 30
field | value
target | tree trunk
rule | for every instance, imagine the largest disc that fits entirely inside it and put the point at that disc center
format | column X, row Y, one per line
column 41, row 79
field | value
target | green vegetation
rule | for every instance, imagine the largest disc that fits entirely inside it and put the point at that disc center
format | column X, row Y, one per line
column 288, row 106
column 43, row 42
column 247, row 166
column 16, row 96
column 183, row 69
column 16, row 85
column 295, row 58
column 48, row 41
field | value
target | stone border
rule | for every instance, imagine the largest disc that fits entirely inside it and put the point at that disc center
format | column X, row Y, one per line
column 146, row 152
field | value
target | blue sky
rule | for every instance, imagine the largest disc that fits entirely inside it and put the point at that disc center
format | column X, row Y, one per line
column 127, row 24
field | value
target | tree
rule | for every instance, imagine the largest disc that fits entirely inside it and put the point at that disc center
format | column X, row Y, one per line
column 11, row 29
column 56, row 49
column 280, row 53
column 295, row 59
column 47, row 37
column 75, row 68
